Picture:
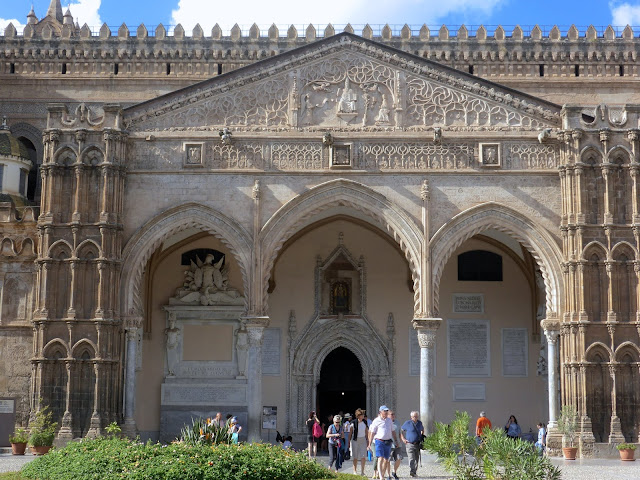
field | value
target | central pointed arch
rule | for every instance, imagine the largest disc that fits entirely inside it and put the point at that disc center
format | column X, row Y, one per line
column 490, row 215
column 350, row 195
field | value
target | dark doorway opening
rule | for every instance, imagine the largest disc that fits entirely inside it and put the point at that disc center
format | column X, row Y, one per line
column 341, row 388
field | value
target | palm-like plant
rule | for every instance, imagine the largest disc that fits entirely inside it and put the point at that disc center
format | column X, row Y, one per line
column 205, row 431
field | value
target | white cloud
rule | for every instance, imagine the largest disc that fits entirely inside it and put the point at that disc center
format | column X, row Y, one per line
column 3, row 24
column 624, row 14
column 85, row 11
column 337, row 12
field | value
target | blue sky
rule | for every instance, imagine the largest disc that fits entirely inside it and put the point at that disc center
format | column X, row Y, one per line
column 339, row 12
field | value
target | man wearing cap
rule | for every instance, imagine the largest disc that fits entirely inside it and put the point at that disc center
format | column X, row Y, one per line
column 382, row 435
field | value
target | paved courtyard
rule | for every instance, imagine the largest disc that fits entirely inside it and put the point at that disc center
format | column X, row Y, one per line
column 577, row 470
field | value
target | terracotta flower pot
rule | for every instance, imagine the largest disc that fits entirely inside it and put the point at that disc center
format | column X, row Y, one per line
column 40, row 450
column 626, row 455
column 18, row 448
column 570, row 452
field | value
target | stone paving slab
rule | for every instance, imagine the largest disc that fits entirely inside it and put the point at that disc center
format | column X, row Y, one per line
column 592, row 469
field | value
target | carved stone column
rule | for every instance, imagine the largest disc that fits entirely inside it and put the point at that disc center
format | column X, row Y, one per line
column 132, row 325
column 427, row 329
column 551, row 330
column 65, row 431
column 616, row 429
column 587, row 440
column 633, row 170
column 608, row 216
column 255, row 329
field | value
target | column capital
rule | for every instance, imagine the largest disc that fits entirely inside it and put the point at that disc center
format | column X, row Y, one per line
column 255, row 328
column 551, row 328
column 132, row 324
column 427, row 329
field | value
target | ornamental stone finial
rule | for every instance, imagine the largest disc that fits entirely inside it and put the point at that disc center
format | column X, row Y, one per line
column 225, row 136
column 255, row 192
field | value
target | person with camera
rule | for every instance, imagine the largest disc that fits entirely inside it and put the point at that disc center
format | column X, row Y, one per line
column 412, row 434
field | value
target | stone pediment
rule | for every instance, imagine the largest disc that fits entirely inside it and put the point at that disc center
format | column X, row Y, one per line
column 347, row 83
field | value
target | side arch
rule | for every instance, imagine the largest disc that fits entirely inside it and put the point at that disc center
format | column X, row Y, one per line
column 150, row 236
column 534, row 238
column 351, row 195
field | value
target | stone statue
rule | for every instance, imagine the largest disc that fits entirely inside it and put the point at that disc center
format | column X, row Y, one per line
column 383, row 113
column 207, row 283
column 242, row 349
column 172, row 340
column 348, row 98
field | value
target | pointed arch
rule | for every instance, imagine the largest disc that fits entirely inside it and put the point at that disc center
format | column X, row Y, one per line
column 84, row 345
column 598, row 348
column 56, row 345
column 627, row 348
column 88, row 247
column 90, row 153
column 349, row 195
column 534, row 238
column 624, row 248
column 151, row 235
column 620, row 155
column 590, row 155
column 65, row 155
column 596, row 248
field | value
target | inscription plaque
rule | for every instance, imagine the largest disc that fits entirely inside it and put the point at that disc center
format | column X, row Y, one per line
column 271, row 352
column 468, row 303
column 203, row 394
column 468, row 354
column 469, row 392
column 515, row 352
column 7, row 406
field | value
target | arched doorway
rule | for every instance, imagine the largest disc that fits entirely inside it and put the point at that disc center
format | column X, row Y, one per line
column 341, row 387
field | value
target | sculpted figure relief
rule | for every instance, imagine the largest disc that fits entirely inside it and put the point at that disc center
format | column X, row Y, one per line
column 242, row 349
column 207, row 283
column 172, row 340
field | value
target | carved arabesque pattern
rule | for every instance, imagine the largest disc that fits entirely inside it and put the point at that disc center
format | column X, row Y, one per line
column 409, row 156
column 431, row 103
column 297, row 156
column 239, row 155
column 532, row 156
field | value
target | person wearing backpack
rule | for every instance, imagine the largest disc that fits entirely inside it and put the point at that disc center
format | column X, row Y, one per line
column 335, row 434
column 314, row 433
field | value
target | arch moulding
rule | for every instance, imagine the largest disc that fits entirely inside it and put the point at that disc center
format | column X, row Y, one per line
column 149, row 237
column 534, row 238
column 350, row 195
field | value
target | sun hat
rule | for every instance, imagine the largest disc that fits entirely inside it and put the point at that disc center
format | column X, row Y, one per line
column 234, row 420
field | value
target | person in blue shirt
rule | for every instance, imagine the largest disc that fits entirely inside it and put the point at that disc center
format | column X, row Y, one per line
column 542, row 438
column 411, row 434
column 512, row 428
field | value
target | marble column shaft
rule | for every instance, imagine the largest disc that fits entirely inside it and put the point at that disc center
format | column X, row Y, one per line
column 132, row 326
column 552, row 331
column 255, row 329
column 427, row 329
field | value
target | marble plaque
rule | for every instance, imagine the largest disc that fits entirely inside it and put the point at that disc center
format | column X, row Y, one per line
column 468, row 353
column 468, row 303
column 515, row 352
column 414, row 355
column 7, row 406
column 271, row 351
column 203, row 394
column 469, row 392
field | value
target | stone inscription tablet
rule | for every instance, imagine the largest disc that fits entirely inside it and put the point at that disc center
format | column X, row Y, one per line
column 271, row 352
column 7, row 406
column 468, row 354
column 414, row 354
column 203, row 394
column 468, row 303
column 469, row 392
column 515, row 358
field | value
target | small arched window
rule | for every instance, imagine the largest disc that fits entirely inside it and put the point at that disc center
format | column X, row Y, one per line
column 479, row 266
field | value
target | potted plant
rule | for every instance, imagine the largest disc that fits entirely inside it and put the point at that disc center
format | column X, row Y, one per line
column 627, row 451
column 18, row 441
column 43, row 432
column 567, row 425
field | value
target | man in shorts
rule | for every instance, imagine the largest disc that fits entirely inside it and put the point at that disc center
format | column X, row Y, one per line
column 382, row 435
column 396, row 449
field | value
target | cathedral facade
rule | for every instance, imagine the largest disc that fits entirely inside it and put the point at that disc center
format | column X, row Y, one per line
column 268, row 224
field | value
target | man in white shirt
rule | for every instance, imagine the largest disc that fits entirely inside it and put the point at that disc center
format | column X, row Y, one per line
column 382, row 434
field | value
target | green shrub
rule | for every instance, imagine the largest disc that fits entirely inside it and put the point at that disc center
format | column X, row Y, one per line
column 19, row 436
column 43, row 429
column 116, row 458
column 499, row 457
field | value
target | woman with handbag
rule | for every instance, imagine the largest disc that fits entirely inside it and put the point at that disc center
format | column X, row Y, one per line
column 314, row 432
column 335, row 435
